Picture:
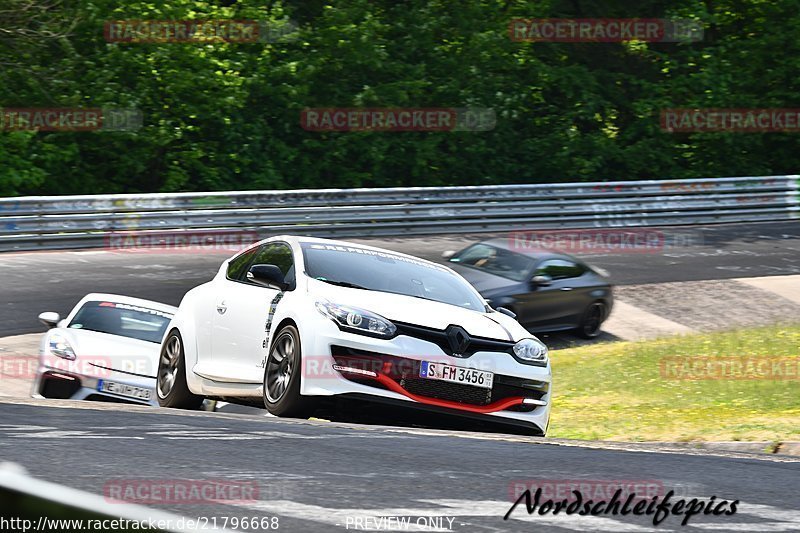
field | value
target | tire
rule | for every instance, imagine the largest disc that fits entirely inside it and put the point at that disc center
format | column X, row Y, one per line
column 281, row 386
column 171, row 387
column 591, row 321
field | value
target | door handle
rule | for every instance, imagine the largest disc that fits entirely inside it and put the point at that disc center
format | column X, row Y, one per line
column 221, row 308
column 566, row 288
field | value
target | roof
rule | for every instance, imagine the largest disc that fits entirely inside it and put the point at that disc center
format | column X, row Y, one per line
column 333, row 242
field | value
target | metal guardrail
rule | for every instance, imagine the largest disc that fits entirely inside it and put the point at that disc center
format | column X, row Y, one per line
column 61, row 222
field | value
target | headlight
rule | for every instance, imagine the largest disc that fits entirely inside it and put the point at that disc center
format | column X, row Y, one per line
column 531, row 351
column 357, row 320
column 59, row 346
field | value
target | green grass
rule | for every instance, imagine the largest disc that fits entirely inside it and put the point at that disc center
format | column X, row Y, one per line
column 615, row 391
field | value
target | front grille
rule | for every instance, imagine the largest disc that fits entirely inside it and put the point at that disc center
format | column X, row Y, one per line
column 405, row 372
column 439, row 338
column 444, row 390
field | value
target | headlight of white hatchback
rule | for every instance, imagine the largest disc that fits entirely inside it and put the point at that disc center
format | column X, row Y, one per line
column 531, row 351
column 60, row 347
column 357, row 320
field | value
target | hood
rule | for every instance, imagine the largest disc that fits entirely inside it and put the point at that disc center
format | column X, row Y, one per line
column 418, row 311
column 95, row 349
column 482, row 281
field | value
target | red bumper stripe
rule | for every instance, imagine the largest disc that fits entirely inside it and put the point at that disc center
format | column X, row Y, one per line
column 499, row 405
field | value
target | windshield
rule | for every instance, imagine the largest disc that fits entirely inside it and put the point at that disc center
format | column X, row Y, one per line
column 387, row 272
column 495, row 261
column 124, row 320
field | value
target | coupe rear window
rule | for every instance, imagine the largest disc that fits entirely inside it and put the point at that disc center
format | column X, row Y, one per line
column 125, row 320
column 352, row 266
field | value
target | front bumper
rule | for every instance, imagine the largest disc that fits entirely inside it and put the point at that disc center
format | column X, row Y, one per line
column 56, row 382
column 342, row 363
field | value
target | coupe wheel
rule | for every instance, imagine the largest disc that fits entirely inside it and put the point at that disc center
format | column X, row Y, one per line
column 282, row 377
column 171, row 387
column 592, row 320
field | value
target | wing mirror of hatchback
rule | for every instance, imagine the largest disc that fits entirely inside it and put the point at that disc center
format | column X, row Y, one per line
column 448, row 254
column 541, row 280
column 49, row 319
column 267, row 275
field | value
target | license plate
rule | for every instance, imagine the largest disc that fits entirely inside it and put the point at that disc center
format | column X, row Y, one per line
column 129, row 391
column 456, row 374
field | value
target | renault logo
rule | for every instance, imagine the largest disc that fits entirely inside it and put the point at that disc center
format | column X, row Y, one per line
column 458, row 339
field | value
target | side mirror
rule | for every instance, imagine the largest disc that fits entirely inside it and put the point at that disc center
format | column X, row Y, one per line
column 49, row 319
column 448, row 254
column 542, row 280
column 267, row 275
column 507, row 312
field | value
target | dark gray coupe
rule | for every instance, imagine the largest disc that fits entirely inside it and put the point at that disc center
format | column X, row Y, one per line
column 547, row 290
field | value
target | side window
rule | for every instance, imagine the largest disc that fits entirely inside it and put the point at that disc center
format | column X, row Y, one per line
column 559, row 269
column 277, row 254
column 237, row 267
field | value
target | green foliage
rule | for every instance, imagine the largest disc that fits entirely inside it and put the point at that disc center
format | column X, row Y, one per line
column 223, row 116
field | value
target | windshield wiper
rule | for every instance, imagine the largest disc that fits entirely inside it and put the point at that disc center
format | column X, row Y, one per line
column 342, row 283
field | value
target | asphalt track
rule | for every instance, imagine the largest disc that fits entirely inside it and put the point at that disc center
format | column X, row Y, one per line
column 54, row 281
column 321, row 476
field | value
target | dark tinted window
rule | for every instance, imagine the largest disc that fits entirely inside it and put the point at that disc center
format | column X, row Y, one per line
column 279, row 255
column 122, row 319
column 559, row 269
column 237, row 267
column 495, row 261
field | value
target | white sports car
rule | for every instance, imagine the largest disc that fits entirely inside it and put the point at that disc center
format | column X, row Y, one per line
column 106, row 349
column 292, row 319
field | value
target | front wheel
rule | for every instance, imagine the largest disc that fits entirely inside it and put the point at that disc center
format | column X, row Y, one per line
column 282, row 377
column 592, row 320
column 171, row 387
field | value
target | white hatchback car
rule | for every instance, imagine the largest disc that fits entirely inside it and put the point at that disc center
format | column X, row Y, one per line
column 106, row 349
column 292, row 319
